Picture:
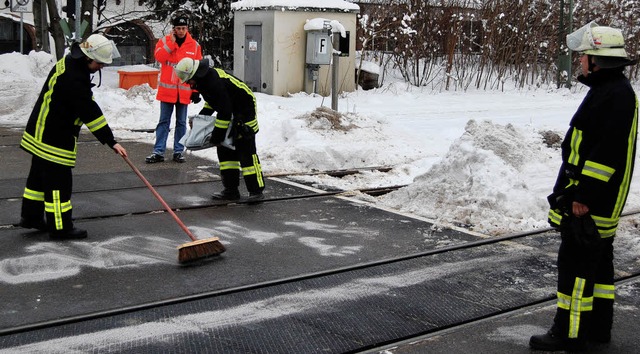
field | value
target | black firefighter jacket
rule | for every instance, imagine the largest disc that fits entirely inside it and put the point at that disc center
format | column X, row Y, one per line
column 229, row 97
column 64, row 105
column 598, row 151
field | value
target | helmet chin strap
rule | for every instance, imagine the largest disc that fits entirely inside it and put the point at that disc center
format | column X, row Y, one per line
column 592, row 65
column 99, row 77
column 99, row 74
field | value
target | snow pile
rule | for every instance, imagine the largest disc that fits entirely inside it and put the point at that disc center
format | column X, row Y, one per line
column 481, row 183
column 479, row 159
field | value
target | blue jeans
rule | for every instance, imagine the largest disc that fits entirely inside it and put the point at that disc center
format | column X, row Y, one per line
column 164, row 126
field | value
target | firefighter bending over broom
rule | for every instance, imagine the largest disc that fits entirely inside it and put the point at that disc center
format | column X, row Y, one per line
column 64, row 105
column 235, row 105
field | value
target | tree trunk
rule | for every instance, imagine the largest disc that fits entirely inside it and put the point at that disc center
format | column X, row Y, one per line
column 87, row 15
column 40, row 22
column 55, row 29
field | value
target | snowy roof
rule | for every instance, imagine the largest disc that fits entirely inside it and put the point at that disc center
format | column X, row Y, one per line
column 295, row 4
column 438, row 3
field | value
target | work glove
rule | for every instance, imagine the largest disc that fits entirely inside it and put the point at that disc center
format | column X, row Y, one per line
column 217, row 136
column 580, row 231
column 195, row 97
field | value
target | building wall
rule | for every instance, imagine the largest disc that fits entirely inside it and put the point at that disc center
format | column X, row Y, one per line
column 284, row 50
column 265, row 19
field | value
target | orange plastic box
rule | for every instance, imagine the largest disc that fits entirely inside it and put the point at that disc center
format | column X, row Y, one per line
column 133, row 78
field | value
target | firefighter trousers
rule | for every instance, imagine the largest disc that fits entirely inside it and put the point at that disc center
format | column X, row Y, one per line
column 244, row 158
column 585, row 291
column 48, row 193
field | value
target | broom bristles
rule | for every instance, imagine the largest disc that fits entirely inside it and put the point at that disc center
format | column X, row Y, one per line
column 195, row 250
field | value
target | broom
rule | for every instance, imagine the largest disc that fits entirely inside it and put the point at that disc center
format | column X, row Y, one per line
column 190, row 251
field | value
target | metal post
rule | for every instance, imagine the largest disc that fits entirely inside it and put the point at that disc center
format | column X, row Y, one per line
column 570, row 18
column 569, row 30
column 21, row 30
column 44, row 34
column 335, row 68
column 78, row 21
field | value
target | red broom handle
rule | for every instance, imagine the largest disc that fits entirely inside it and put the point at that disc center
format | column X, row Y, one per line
column 166, row 206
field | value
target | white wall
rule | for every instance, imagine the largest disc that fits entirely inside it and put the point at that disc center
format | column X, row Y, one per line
column 284, row 50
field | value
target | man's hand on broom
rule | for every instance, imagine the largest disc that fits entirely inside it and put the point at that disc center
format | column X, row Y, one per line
column 120, row 150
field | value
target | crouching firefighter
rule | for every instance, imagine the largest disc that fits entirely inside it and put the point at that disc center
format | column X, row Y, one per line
column 235, row 105
column 64, row 105
column 598, row 154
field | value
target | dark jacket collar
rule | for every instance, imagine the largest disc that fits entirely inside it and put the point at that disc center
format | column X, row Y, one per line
column 601, row 76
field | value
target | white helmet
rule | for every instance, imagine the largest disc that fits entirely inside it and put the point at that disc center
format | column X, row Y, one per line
column 596, row 40
column 100, row 49
column 186, row 68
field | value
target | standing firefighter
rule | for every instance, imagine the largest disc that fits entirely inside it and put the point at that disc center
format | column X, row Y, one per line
column 598, row 155
column 171, row 93
column 235, row 105
column 64, row 105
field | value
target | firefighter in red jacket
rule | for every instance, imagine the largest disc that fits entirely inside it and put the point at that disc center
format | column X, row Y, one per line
column 64, row 105
column 598, row 154
column 171, row 93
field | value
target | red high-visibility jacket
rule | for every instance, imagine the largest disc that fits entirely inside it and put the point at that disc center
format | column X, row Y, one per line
column 168, row 54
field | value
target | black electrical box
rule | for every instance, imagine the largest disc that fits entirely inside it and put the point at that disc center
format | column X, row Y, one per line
column 344, row 44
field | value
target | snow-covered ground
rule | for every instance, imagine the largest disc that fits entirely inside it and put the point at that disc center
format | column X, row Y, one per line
column 476, row 158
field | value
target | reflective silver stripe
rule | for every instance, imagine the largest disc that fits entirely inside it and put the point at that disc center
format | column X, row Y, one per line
column 604, row 291
column 164, row 42
column 33, row 195
column 57, row 208
column 168, row 86
column 222, row 124
column 597, row 171
column 97, row 124
column 229, row 165
column 48, row 152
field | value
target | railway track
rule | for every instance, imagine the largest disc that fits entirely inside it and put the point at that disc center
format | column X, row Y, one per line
column 476, row 260
column 274, row 289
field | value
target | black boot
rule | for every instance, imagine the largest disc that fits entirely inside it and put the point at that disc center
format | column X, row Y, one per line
column 227, row 194
column 255, row 197
column 38, row 224
column 553, row 342
column 71, row 234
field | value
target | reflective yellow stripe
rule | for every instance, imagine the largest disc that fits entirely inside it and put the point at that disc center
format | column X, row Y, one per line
column 253, row 124
column 48, row 152
column 97, row 124
column 229, row 165
column 244, row 87
column 222, row 124
column 258, row 168
column 555, row 217
column 576, row 140
column 604, row 291
column 575, row 304
column 564, row 301
column 33, row 195
column 247, row 171
column 57, row 208
column 578, row 305
column 597, row 171
column 46, row 100
column 606, row 226
column 206, row 105
column 626, row 180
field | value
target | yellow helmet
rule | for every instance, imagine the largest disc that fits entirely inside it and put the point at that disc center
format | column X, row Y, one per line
column 100, row 49
column 596, row 40
column 186, row 68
